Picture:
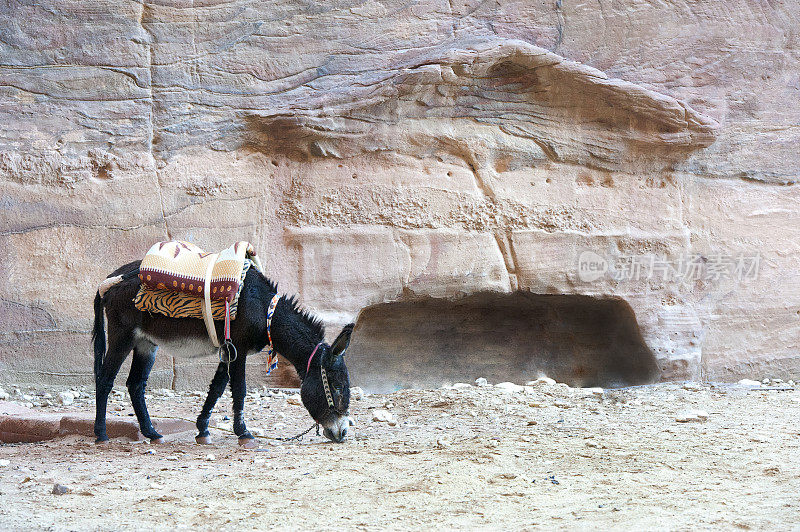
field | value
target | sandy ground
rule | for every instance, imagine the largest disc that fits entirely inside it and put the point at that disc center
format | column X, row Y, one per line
column 545, row 457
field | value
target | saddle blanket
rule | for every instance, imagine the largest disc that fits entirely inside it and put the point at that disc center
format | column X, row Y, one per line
column 173, row 276
column 183, row 267
column 176, row 304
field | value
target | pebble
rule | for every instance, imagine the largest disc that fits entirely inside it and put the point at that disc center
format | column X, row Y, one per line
column 4, row 463
column 480, row 381
column 66, row 398
column 541, row 381
column 461, row 386
column 443, row 443
column 3, row 395
column 59, row 489
column 562, row 404
column 694, row 415
column 594, row 391
column 381, row 415
column 749, row 382
column 510, row 387
column 210, row 458
column 294, row 400
column 692, row 386
column 356, row 393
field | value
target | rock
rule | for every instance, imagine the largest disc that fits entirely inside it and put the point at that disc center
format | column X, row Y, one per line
column 692, row 386
column 5, row 463
column 382, row 415
column 691, row 416
column 294, row 400
column 75, row 130
column 509, row 387
column 3, row 395
column 66, row 398
column 480, row 381
column 749, row 382
column 60, row 489
column 562, row 404
column 541, row 381
column 461, row 386
column 597, row 392
column 356, row 393
column 210, row 457
column 443, row 443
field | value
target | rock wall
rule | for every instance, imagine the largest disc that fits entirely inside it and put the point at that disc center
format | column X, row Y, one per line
column 382, row 151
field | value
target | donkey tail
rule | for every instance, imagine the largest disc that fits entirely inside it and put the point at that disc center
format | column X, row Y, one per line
column 99, row 333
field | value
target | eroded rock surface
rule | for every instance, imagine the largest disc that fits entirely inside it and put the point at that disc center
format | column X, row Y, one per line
column 379, row 151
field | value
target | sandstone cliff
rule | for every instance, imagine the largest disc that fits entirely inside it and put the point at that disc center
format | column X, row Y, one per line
column 379, row 151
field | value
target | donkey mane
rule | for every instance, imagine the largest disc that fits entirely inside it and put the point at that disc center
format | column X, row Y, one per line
column 314, row 324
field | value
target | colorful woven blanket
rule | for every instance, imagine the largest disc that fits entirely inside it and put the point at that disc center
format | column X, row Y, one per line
column 176, row 304
column 184, row 267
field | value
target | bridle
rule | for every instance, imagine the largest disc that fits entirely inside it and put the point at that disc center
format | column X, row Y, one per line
column 324, row 376
column 272, row 360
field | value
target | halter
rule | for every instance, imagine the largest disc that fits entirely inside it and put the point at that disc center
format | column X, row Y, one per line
column 324, row 376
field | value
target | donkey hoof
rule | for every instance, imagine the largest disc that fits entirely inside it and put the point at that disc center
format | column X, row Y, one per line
column 248, row 443
column 203, row 440
column 101, row 441
column 157, row 441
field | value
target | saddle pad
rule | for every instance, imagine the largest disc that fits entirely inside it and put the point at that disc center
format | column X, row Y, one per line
column 181, row 305
column 182, row 267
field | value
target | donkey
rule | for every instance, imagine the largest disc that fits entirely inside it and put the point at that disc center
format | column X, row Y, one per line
column 295, row 334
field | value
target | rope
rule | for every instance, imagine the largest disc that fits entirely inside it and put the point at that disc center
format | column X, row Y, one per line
column 297, row 437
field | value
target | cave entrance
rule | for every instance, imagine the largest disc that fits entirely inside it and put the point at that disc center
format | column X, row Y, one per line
column 579, row 340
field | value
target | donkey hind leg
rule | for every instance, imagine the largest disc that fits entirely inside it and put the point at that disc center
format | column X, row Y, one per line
column 144, row 356
column 238, row 390
column 215, row 391
column 119, row 345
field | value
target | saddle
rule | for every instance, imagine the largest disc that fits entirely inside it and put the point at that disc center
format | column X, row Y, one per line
column 183, row 267
column 180, row 280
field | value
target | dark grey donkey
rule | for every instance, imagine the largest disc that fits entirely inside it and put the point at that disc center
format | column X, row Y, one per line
column 295, row 335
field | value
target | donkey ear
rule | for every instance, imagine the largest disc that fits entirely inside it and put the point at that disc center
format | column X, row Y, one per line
column 339, row 345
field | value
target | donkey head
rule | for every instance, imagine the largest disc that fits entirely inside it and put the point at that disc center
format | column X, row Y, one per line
column 330, row 408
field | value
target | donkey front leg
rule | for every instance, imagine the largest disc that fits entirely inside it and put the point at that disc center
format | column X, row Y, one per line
column 144, row 355
column 215, row 391
column 119, row 345
column 238, row 390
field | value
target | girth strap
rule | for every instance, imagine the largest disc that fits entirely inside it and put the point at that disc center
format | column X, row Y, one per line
column 208, row 315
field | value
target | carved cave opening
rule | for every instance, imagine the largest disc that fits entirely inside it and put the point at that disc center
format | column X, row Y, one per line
column 576, row 339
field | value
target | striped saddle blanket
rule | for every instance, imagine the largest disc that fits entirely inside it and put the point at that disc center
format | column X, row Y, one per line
column 176, row 275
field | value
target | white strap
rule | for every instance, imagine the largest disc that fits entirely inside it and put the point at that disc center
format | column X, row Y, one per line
column 208, row 315
column 257, row 263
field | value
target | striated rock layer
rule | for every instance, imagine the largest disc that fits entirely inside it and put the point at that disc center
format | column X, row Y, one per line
column 379, row 152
